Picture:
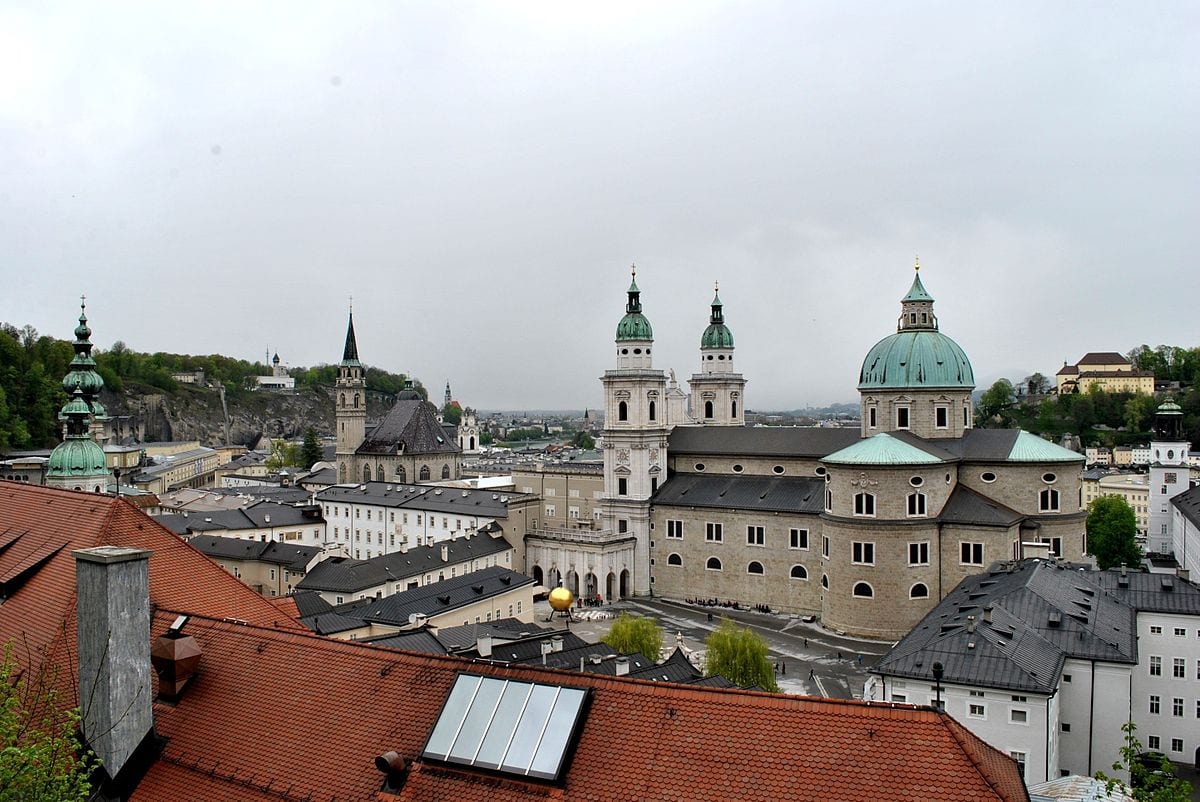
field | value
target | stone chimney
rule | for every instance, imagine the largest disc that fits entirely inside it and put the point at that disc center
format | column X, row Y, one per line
column 622, row 666
column 112, row 586
column 445, row 553
column 483, row 645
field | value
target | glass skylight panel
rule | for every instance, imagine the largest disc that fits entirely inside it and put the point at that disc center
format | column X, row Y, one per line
column 520, row 728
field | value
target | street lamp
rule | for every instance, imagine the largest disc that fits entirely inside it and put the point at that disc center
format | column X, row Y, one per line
column 938, row 672
column 117, row 475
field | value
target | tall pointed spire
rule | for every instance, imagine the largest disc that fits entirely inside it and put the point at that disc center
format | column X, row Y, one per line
column 634, row 304
column 350, row 353
column 78, row 462
column 634, row 326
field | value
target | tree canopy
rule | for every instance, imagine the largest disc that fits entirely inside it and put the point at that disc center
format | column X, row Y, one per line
column 636, row 633
column 311, row 451
column 1112, row 533
column 40, row 755
column 739, row 655
column 1151, row 778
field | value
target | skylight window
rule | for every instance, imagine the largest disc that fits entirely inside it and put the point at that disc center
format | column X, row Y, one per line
column 520, row 728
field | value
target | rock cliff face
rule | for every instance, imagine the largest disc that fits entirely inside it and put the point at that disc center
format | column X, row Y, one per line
column 195, row 413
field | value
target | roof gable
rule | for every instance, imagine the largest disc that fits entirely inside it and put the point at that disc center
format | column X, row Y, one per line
column 409, row 428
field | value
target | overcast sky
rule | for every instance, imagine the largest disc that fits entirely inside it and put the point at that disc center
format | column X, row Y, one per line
column 220, row 178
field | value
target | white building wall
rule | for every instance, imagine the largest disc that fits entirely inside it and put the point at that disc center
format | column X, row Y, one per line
column 1175, row 641
column 372, row 530
column 1185, row 543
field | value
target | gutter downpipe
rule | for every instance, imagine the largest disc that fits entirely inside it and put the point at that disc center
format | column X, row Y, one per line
column 1046, row 772
column 1091, row 718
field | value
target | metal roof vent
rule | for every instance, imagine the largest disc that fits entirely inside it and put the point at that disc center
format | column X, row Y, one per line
column 175, row 657
column 394, row 768
column 1168, row 583
column 1055, row 619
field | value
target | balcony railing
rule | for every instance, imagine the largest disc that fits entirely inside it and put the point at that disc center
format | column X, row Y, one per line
column 578, row 535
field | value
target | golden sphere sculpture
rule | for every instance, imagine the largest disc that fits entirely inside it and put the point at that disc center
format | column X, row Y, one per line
column 561, row 599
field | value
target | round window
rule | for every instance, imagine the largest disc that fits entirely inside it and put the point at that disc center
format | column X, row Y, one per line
column 637, row 350
column 820, row 470
column 737, row 469
column 624, row 350
column 777, row 469
column 720, row 357
column 699, row 466
column 916, row 481
column 1049, row 478
column 948, row 480
column 988, row 476
column 1170, row 453
column 710, row 357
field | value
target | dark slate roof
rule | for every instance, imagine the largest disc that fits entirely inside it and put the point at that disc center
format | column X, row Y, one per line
column 1188, row 504
column 986, row 445
column 715, row 681
column 253, row 516
column 420, row 640
column 931, row 447
column 780, row 441
column 344, row 575
column 526, row 650
column 463, row 637
column 350, row 352
column 1155, row 593
column 1103, row 358
column 785, row 494
column 1040, row 614
column 966, row 506
column 310, row 603
column 410, row 428
column 676, row 668
column 442, row 597
column 289, row 555
column 451, row 500
column 325, row 476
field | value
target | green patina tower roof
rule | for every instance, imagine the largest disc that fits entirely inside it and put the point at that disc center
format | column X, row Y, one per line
column 634, row 326
column 717, row 335
column 917, row 291
column 881, row 449
column 83, row 375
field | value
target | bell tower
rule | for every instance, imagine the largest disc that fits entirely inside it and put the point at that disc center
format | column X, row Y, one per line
column 1169, row 472
column 635, row 435
column 718, row 391
column 350, row 407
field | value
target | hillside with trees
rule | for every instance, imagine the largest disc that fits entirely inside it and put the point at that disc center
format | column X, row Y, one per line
column 1098, row 417
column 32, row 367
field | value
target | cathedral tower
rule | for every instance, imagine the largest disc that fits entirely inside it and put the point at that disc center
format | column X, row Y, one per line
column 635, row 435
column 1169, row 473
column 351, row 407
column 717, row 390
column 917, row 380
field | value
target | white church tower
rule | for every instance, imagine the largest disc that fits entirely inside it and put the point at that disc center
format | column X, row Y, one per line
column 350, row 407
column 635, row 435
column 1169, row 473
column 717, row 390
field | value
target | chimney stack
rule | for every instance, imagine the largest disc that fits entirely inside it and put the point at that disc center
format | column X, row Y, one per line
column 483, row 645
column 445, row 553
column 622, row 666
column 112, row 587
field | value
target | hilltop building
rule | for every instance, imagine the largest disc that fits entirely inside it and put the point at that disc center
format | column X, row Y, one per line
column 279, row 378
column 1106, row 370
column 408, row 445
column 866, row 528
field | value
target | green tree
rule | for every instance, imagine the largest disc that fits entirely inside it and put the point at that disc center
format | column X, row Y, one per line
column 41, row 758
column 995, row 404
column 283, row 455
column 583, row 440
column 1112, row 532
column 452, row 413
column 636, row 633
column 1151, row 778
column 740, row 656
column 1036, row 384
column 311, row 452
column 1139, row 412
column 485, row 438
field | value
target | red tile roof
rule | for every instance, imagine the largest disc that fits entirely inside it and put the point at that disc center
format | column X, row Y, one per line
column 276, row 713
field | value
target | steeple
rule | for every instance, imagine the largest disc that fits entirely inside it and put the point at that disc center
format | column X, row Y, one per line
column 916, row 308
column 83, row 375
column 350, row 352
column 448, row 396
column 717, row 335
column 78, row 462
column 716, row 391
column 634, row 326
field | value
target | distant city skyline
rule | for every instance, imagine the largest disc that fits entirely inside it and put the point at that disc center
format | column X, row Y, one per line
column 479, row 177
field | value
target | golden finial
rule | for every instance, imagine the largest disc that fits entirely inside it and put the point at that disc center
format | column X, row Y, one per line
column 917, row 263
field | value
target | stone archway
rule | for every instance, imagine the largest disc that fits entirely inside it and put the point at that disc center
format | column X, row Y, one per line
column 610, row 586
column 573, row 582
column 555, row 577
column 591, row 586
column 537, row 575
column 625, row 583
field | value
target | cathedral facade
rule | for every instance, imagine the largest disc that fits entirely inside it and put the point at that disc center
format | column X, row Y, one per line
column 866, row 529
column 408, row 445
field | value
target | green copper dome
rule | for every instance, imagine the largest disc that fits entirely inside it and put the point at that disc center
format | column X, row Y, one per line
column 717, row 335
column 916, row 359
column 634, row 326
column 77, row 456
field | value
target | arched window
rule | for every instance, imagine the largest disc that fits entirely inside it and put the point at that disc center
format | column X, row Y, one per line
column 652, row 411
column 733, row 409
column 674, row 559
column 754, row 567
column 713, row 564
column 401, row 474
column 863, row 591
column 799, row 572
column 1048, row 500
column 424, row 474
column 864, row 504
column 445, row 471
column 825, row 581
column 916, row 504
column 342, row 400
column 622, row 411
column 356, row 400
column 366, row 473
column 471, row 443
column 918, row 591
column 708, row 409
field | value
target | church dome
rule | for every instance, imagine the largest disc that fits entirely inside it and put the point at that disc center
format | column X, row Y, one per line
column 717, row 335
column 77, row 456
column 916, row 359
column 635, row 325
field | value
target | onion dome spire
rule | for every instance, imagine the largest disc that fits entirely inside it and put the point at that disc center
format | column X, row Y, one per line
column 717, row 335
column 82, row 375
column 634, row 326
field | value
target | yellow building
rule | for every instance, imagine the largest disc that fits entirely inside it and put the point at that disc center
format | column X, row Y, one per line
column 1107, row 370
column 1133, row 487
